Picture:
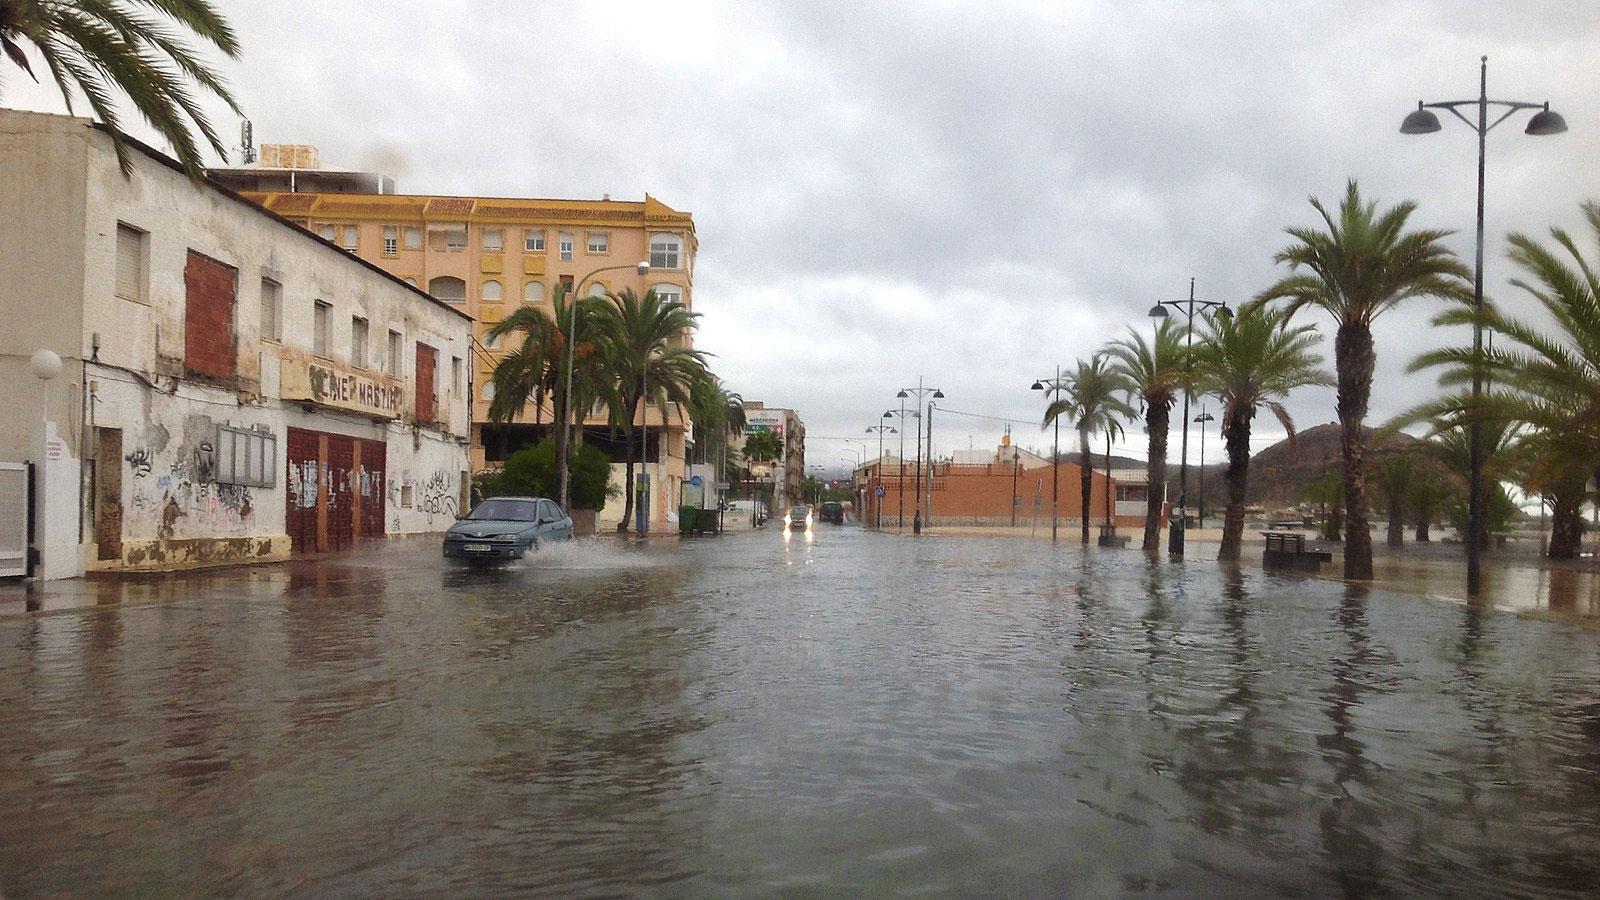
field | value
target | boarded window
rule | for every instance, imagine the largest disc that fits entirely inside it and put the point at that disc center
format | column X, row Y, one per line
column 271, row 305
column 392, row 363
column 130, row 262
column 320, row 313
column 358, row 342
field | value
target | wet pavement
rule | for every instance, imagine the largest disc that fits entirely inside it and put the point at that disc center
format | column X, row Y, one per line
column 853, row 713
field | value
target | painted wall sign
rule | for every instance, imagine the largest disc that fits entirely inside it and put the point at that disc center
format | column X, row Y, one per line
column 341, row 388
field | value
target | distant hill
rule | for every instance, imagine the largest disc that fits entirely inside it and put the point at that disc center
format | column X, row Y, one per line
column 1278, row 473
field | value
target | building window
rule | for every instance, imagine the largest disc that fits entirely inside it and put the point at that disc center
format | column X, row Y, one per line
column 493, row 240
column 491, row 341
column 489, row 291
column 351, row 233
column 391, row 240
column 413, row 237
column 533, row 240
column 448, row 288
column 245, row 457
column 532, row 292
column 456, row 240
column 488, row 391
column 409, row 280
column 668, row 293
column 665, row 250
column 210, row 289
column 358, row 342
column 132, row 253
column 396, row 347
column 596, row 289
column 566, row 245
column 566, row 282
column 599, row 242
column 271, row 304
column 320, row 314
column 455, row 376
column 329, row 233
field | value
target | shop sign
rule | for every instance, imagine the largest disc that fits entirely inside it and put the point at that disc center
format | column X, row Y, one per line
column 327, row 385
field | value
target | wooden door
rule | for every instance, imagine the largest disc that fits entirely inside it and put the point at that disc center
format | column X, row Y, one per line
column 108, row 493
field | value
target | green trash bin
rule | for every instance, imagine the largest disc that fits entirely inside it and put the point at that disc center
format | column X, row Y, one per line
column 686, row 520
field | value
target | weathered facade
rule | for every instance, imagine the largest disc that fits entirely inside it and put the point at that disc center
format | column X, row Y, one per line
column 234, row 387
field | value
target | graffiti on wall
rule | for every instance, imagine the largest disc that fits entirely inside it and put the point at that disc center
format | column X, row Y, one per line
column 187, row 490
column 436, row 496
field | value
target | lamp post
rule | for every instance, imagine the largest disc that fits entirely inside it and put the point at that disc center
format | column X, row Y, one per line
column 900, row 461
column 563, row 438
column 920, row 391
column 877, row 501
column 1203, row 418
column 1016, row 463
column 1422, row 121
column 1053, row 388
column 1188, row 307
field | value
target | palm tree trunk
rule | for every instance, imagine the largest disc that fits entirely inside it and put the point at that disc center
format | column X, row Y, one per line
column 1397, row 523
column 1155, row 418
column 1566, row 521
column 1354, row 360
column 1085, row 480
column 1422, row 531
column 1236, row 434
column 627, row 478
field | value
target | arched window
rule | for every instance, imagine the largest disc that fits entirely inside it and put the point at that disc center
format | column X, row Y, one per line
column 668, row 292
column 666, row 251
column 532, row 292
column 596, row 289
column 488, row 391
column 489, row 291
column 448, row 288
column 491, row 341
column 411, row 281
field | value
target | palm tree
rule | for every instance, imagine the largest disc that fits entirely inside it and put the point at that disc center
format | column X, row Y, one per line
column 1427, row 498
column 99, row 46
column 1156, row 370
column 1250, row 360
column 1546, row 382
column 1365, row 263
column 1327, row 494
column 638, row 334
column 1091, row 401
column 536, row 368
column 1395, row 474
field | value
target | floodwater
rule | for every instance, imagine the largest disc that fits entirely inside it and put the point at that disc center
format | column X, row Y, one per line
column 760, row 714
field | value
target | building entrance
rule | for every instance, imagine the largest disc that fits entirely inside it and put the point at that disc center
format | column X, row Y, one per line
column 336, row 490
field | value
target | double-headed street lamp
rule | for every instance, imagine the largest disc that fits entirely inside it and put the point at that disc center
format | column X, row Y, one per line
column 1422, row 121
column 563, row 439
column 877, row 500
column 900, row 461
column 1053, row 388
column 920, row 392
column 1188, row 307
column 1203, row 418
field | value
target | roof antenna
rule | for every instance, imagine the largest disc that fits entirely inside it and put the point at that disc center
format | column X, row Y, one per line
column 247, row 149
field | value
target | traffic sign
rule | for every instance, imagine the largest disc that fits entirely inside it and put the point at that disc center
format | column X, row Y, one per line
column 696, row 480
column 880, row 490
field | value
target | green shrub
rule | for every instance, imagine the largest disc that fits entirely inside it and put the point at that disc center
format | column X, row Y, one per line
column 531, row 472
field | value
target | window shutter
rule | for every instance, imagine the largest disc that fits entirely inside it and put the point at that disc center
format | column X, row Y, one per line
column 129, row 261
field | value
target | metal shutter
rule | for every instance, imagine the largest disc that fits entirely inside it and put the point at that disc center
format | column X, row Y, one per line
column 130, row 260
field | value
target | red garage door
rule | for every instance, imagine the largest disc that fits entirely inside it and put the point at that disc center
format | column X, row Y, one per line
column 335, row 491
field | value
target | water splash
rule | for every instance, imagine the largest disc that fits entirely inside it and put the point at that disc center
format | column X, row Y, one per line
column 592, row 554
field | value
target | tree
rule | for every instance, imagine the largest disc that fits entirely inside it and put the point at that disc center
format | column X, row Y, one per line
column 1327, row 494
column 129, row 46
column 639, row 334
column 1395, row 474
column 536, row 367
column 1427, row 498
column 1547, row 382
column 762, row 445
column 532, row 472
column 1364, row 264
column 1250, row 360
column 1091, row 401
column 1155, row 369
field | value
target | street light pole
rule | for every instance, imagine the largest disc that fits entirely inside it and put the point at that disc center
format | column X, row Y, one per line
column 1177, row 526
column 877, row 500
column 920, row 391
column 563, row 436
column 1203, row 418
column 1053, row 386
column 1421, row 121
column 1016, row 463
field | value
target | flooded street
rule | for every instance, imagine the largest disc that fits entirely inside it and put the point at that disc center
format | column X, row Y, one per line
column 851, row 713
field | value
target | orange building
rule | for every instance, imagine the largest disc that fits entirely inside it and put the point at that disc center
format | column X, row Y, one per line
column 986, row 494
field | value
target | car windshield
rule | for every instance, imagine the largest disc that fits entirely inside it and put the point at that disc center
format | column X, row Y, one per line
column 507, row 510
column 797, row 512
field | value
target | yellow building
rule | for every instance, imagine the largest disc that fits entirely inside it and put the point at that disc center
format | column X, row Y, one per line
column 490, row 255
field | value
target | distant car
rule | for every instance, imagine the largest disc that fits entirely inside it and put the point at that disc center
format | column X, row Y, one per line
column 831, row 511
column 798, row 518
column 505, row 528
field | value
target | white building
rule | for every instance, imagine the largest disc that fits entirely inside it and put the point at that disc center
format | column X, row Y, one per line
column 234, row 389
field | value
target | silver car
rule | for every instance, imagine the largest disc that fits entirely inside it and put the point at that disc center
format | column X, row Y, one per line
column 505, row 528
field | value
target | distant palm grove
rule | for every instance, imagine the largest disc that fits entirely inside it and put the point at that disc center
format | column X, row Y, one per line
column 1537, row 410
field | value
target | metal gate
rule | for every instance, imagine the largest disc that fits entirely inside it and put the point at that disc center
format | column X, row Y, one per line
column 15, row 511
column 335, row 490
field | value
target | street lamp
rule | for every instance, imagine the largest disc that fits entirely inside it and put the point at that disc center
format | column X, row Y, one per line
column 900, row 461
column 1203, row 418
column 1053, row 388
column 563, row 455
column 1423, row 121
column 1188, row 307
column 920, row 391
column 877, row 500
column 1016, row 463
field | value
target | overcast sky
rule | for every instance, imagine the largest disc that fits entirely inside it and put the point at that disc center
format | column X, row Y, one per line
column 968, row 192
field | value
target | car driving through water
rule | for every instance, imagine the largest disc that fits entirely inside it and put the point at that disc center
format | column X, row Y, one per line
column 506, row 528
column 798, row 518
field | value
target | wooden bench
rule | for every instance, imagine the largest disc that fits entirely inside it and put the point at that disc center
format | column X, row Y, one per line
column 1287, row 550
